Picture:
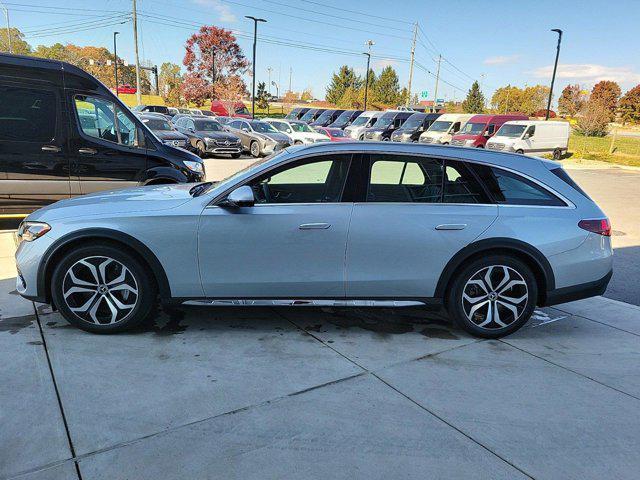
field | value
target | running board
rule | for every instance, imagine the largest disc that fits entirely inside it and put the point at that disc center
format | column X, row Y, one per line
column 305, row 303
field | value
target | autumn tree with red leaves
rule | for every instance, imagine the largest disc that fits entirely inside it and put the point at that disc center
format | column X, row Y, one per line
column 230, row 64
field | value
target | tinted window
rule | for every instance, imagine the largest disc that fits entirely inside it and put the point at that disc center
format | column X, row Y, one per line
column 512, row 189
column 461, row 185
column 97, row 117
column 403, row 178
column 564, row 176
column 317, row 180
column 27, row 115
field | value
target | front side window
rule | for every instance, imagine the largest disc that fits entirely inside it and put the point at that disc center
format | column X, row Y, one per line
column 530, row 131
column 318, row 180
column 27, row 115
column 126, row 129
column 404, row 179
column 461, row 185
column 101, row 119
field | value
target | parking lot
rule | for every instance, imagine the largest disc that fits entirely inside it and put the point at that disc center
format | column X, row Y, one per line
column 328, row 393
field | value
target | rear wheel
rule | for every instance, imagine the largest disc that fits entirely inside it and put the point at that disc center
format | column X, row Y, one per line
column 102, row 289
column 493, row 296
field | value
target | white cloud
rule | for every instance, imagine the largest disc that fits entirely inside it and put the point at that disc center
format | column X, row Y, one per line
column 382, row 63
column 501, row 59
column 589, row 72
column 224, row 11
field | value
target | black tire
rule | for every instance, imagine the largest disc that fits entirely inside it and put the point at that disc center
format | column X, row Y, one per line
column 201, row 149
column 520, row 151
column 236, row 155
column 254, row 149
column 143, row 299
column 445, row 143
column 557, row 154
column 469, row 316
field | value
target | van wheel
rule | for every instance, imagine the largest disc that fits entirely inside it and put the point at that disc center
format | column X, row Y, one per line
column 445, row 143
column 493, row 296
column 297, row 142
column 557, row 154
column 254, row 148
column 480, row 146
column 361, row 138
column 202, row 150
column 520, row 151
column 102, row 289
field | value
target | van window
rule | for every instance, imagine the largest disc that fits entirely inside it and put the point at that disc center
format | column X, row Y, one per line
column 100, row 118
column 456, row 127
column 531, row 131
column 27, row 115
column 491, row 129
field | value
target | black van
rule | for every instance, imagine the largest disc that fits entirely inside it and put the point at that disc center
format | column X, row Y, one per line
column 296, row 113
column 64, row 133
column 414, row 126
column 387, row 124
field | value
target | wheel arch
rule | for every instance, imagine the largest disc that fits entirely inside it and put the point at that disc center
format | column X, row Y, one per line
column 125, row 241
column 529, row 254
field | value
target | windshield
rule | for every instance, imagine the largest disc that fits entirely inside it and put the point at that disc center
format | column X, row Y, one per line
column 511, row 131
column 343, row 117
column 300, row 127
column 440, row 126
column 208, row 126
column 472, row 129
column 263, row 127
column 413, row 122
column 385, row 120
column 324, row 116
column 337, row 133
column 309, row 115
column 358, row 122
column 157, row 124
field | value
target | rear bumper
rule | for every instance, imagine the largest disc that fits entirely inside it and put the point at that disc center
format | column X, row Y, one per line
column 577, row 292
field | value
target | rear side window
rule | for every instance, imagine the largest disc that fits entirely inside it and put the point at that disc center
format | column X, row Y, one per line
column 27, row 115
column 461, row 185
column 564, row 176
column 508, row 188
column 404, row 179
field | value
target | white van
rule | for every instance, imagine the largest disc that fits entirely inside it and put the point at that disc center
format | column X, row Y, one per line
column 365, row 120
column 445, row 127
column 532, row 136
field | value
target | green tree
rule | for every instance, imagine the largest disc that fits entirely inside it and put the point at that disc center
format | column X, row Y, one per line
column 630, row 105
column 387, row 87
column 474, row 103
column 306, row 95
column 345, row 78
column 607, row 93
column 170, row 79
column 262, row 96
column 571, row 101
column 57, row 51
column 507, row 99
column 18, row 44
column 534, row 99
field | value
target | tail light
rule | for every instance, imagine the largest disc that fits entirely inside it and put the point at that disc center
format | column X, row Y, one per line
column 601, row 226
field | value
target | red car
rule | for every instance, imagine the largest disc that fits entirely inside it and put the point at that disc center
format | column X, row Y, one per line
column 335, row 134
column 218, row 108
column 126, row 89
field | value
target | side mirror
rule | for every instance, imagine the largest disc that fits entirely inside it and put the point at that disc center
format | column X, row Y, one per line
column 240, row 197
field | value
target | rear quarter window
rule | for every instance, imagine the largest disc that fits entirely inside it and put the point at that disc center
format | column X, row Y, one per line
column 564, row 176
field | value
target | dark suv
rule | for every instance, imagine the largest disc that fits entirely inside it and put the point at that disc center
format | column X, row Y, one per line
column 63, row 133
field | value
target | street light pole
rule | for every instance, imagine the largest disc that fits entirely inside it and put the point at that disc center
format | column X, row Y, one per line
column 277, row 88
column 253, row 80
column 6, row 15
column 213, row 72
column 555, row 67
column 115, row 60
column 135, row 46
column 369, row 43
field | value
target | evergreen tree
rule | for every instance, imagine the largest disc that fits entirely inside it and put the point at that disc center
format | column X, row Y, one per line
column 262, row 96
column 387, row 87
column 345, row 78
column 474, row 103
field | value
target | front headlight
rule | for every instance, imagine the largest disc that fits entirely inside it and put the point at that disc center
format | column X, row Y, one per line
column 194, row 166
column 29, row 231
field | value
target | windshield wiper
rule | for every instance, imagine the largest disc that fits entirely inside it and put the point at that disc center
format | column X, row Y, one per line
column 198, row 189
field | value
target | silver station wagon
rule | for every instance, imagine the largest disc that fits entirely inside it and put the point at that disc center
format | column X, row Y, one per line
column 485, row 235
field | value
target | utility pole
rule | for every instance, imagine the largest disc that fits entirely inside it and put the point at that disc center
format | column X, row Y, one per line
column 269, row 88
column 213, row 72
column 413, row 52
column 6, row 16
column 253, row 80
column 115, row 59
column 369, row 44
column 435, row 93
column 290, row 74
column 555, row 67
column 135, row 45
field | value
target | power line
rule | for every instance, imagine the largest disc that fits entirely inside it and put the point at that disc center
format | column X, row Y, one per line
column 71, row 25
column 389, row 19
column 75, row 30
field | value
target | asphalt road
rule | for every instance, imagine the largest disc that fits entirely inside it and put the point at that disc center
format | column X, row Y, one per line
column 617, row 192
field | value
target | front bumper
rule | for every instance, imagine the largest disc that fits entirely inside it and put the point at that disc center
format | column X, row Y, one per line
column 28, row 259
column 223, row 148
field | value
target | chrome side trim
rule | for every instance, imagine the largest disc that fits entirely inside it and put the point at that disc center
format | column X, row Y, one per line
column 304, row 303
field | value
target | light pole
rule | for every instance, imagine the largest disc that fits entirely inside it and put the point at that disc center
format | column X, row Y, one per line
column 213, row 72
column 366, row 81
column 115, row 60
column 6, row 16
column 253, row 80
column 555, row 67
column 269, row 69
column 277, row 88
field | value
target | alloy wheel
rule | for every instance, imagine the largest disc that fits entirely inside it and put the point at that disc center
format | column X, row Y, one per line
column 255, row 149
column 495, row 297
column 100, row 290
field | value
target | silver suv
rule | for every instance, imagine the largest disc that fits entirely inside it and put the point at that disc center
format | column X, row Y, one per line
column 486, row 235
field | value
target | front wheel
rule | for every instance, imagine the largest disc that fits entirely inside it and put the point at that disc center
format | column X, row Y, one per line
column 254, row 148
column 557, row 154
column 201, row 149
column 493, row 296
column 520, row 151
column 102, row 289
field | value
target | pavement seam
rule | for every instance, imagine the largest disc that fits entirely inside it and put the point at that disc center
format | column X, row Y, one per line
column 570, row 370
column 407, row 397
column 57, row 391
column 596, row 321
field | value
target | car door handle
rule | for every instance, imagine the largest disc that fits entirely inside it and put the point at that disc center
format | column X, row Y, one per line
column 88, row 151
column 50, row 148
column 314, row 226
column 451, row 226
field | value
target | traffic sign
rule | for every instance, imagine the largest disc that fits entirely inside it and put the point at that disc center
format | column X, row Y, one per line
column 424, row 94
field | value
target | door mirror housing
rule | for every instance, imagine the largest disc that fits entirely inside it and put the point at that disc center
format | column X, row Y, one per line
column 240, row 197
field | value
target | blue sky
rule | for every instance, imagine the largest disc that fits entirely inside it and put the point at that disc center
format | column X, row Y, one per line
column 496, row 42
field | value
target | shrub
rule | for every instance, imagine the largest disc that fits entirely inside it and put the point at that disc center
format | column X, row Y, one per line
column 593, row 120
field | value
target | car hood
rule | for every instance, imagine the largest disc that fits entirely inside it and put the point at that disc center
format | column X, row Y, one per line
column 169, row 135
column 121, row 201
column 219, row 135
column 278, row 137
